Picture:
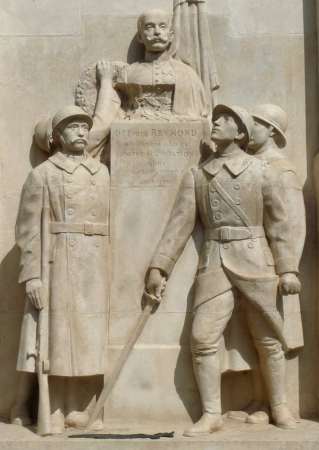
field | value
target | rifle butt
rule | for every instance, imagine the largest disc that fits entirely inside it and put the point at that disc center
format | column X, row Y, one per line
column 44, row 411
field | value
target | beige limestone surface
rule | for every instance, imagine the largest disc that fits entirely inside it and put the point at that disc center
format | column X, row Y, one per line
column 265, row 52
column 239, row 437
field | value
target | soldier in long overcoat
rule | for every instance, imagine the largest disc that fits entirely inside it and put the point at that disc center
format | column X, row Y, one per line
column 247, row 252
column 76, row 189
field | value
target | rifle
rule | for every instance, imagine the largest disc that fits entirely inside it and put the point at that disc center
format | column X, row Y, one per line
column 42, row 353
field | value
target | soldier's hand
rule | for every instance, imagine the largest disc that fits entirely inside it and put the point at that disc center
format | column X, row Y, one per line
column 104, row 71
column 33, row 290
column 155, row 284
column 289, row 284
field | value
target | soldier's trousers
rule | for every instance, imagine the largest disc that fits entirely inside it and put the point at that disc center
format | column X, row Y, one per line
column 209, row 323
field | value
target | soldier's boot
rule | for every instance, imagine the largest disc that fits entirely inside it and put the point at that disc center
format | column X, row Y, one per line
column 80, row 419
column 208, row 423
column 207, row 374
column 274, row 374
column 282, row 417
column 20, row 414
column 57, row 422
column 259, row 414
column 257, row 410
column 57, row 397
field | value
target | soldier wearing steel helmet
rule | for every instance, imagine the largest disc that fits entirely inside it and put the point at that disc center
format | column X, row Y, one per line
column 245, row 254
column 77, row 189
column 267, row 142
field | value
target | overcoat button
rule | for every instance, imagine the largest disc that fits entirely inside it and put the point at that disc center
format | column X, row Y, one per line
column 225, row 246
column 237, row 186
column 218, row 216
column 250, row 245
column 215, row 203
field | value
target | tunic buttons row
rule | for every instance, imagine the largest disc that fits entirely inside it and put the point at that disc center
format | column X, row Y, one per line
column 93, row 182
column 250, row 244
column 93, row 213
column 218, row 216
column 70, row 211
column 215, row 203
column 72, row 242
column 68, row 195
column 236, row 186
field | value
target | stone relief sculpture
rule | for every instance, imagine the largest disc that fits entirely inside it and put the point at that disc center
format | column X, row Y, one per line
column 267, row 142
column 159, row 88
column 157, row 112
column 78, row 228
column 248, row 241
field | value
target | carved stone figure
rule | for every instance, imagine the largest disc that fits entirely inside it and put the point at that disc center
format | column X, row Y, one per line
column 267, row 141
column 76, row 188
column 159, row 88
column 103, row 115
column 246, row 254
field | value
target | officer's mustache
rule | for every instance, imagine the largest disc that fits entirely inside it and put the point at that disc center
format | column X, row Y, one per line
column 80, row 141
column 157, row 39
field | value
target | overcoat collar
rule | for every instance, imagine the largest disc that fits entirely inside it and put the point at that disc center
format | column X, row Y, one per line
column 70, row 165
column 236, row 163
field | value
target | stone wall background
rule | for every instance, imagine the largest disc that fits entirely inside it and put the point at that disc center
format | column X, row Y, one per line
column 265, row 51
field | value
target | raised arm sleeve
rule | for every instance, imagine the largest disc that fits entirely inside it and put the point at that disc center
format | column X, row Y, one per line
column 179, row 227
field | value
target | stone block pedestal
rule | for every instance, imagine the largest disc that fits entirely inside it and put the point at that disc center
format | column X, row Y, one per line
column 234, row 437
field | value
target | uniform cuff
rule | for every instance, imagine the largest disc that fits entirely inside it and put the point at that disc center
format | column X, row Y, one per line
column 164, row 263
column 284, row 265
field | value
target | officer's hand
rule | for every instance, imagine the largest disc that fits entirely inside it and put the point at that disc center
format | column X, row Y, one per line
column 289, row 284
column 155, row 284
column 104, row 71
column 33, row 289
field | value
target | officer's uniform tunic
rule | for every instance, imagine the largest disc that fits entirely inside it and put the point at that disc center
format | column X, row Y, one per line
column 235, row 259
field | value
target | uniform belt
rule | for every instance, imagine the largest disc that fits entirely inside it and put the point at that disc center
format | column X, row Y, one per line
column 87, row 228
column 234, row 233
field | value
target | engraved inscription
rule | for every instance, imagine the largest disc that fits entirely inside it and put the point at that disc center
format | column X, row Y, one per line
column 153, row 154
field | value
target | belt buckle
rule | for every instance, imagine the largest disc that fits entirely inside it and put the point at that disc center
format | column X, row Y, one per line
column 89, row 229
column 225, row 234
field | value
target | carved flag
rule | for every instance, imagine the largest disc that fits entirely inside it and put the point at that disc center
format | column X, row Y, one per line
column 193, row 43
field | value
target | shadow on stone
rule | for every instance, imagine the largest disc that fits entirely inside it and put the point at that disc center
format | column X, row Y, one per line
column 135, row 51
column 309, row 275
column 36, row 155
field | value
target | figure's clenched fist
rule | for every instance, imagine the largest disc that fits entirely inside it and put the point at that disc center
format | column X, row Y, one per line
column 104, row 70
column 289, row 284
column 33, row 291
column 155, row 284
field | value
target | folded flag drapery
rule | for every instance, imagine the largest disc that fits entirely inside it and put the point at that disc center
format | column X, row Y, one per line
column 193, row 43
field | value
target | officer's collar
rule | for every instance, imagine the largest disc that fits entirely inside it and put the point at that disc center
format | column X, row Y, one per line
column 70, row 165
column 236, row 163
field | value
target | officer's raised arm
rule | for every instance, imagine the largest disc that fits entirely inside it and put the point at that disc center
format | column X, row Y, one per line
column 107, row 107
